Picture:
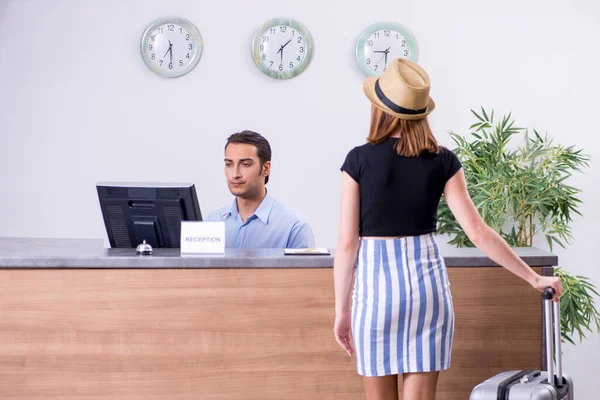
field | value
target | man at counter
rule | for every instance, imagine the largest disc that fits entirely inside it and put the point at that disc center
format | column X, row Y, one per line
column 255, row 219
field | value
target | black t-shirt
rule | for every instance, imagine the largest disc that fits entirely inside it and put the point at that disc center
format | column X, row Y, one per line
column 399, row 196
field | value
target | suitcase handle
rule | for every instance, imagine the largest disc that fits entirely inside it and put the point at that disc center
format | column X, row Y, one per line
column 553, row 351
column 529, row 376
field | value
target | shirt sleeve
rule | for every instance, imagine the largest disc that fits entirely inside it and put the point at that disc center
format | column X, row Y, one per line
column 351, row 165
column 453, row 164
column 301, row 236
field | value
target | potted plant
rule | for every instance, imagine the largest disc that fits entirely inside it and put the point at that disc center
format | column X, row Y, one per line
column 521, row 191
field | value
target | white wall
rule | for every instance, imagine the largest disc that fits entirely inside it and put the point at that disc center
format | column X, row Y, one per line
column 77, row 104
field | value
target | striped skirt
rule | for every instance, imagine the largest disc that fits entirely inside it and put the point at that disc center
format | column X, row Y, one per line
column 402, row 313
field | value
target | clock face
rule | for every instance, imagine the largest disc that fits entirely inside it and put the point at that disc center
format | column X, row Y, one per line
column 171, row 47
column 282, row 48
column 380, row 44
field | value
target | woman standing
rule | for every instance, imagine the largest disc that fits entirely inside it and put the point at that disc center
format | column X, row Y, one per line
column 402, row 318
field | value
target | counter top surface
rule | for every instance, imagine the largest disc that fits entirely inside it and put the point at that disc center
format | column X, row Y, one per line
column 91, row 253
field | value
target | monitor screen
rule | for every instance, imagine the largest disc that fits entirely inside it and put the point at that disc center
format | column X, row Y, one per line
column 134, row 212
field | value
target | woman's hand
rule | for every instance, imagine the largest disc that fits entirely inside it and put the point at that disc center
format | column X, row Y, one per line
column 543, row 282
column 342, row 332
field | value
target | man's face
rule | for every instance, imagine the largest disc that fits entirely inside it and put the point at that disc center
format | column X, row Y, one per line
column 245, row 176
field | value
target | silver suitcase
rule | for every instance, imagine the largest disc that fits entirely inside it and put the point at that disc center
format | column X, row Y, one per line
column 533, row 384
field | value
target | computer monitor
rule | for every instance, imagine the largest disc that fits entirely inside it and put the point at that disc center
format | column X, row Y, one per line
column 134, row 212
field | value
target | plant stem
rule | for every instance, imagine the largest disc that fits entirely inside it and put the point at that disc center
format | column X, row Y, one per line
column 522, row 226
column 530, row 229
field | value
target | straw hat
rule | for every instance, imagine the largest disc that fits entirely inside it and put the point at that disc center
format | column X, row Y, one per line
column 402, row 90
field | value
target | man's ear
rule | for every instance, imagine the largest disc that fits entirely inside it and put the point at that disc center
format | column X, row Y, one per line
column 266, row 169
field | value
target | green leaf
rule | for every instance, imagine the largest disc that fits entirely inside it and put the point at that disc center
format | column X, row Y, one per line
column 478, row 117
column 484, row 114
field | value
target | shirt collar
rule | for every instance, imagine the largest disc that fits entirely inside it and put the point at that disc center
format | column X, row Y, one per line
column 264, row 209
column 262, row 212
column 233, row 210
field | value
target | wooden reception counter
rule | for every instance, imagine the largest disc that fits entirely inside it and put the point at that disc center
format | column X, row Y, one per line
column 78, row 321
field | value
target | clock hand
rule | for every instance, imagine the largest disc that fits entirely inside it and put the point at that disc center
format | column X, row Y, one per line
column 281, row 51
column 171, row 51
column 386, row 54
column 383, row 51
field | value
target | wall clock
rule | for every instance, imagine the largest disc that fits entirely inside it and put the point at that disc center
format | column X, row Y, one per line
column 382, row 42
column 171, row 46
column 282, row 48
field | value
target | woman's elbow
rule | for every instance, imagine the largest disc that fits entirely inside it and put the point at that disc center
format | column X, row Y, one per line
column 349, row 244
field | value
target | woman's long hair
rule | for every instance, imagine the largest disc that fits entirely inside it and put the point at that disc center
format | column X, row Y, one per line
column 415, row 135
